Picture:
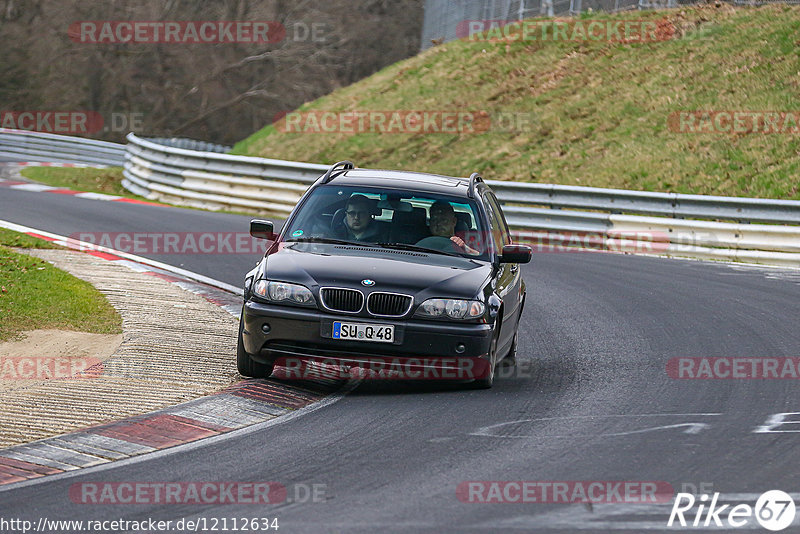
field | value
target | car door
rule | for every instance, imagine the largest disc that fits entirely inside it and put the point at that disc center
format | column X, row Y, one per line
column 508, row 276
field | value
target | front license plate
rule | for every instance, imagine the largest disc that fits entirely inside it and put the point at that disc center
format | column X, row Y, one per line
column 363, row 332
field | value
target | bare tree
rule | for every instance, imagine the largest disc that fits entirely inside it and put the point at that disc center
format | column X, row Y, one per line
column 219, row 92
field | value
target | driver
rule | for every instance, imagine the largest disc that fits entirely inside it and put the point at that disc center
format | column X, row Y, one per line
column 358, row 222
column 443, row 224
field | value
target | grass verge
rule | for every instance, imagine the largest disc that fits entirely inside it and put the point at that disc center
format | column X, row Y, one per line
column 34, row 294
column 9, row 238
column 107, row 181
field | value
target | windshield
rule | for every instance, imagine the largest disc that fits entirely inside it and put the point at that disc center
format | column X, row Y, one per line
column 387, row 218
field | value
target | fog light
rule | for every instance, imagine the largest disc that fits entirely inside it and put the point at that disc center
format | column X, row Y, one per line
column 265, row 328
column 460, row 348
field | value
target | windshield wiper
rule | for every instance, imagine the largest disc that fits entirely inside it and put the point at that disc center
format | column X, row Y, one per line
column 329, row 240
column 415, row 248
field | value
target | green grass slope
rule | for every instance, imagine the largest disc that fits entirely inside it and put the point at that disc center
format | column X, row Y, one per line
column 597, row 111
column 34, row 294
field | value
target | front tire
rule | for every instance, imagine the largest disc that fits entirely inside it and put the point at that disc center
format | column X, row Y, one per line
column 487, row 381
column 511, row 358
column 244, row 363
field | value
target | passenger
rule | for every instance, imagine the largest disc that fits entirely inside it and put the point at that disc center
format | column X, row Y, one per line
column 443, row 224
column 359, row 224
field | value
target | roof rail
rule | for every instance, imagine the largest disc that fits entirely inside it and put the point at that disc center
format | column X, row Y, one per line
column 339, row 166
column 473, row 182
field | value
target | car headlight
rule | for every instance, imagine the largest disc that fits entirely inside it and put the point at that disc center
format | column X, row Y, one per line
column 284, row 292
column 452, row 308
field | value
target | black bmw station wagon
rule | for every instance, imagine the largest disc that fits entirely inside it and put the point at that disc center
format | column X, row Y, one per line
column 391, row 271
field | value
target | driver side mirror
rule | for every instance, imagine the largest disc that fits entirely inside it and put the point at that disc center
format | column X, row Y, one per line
column 262, row 229
column 516, row 254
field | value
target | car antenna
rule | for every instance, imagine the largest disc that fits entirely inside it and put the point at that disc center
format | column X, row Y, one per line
column 473, row 181
column 340, row 166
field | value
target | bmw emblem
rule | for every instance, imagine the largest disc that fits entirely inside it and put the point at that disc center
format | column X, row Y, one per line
column 368, row 282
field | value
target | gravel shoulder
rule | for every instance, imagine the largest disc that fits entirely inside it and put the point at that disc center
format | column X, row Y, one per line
column 175, row 346
column 50, row 354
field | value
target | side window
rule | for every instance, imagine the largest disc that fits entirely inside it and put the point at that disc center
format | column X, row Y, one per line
column 495, row 224
column 506, row 237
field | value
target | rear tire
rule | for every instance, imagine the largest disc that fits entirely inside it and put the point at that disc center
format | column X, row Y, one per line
column 244, row 362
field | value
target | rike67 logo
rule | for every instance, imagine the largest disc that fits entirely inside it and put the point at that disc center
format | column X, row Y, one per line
column 774, row 510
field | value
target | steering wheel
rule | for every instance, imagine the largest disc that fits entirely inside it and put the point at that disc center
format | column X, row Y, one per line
column 438, row 242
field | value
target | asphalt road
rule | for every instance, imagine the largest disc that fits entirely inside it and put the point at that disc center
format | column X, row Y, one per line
column 70, row 216
column 590, row 401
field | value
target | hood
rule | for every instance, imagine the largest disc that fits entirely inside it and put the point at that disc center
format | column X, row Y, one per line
column 412, row 273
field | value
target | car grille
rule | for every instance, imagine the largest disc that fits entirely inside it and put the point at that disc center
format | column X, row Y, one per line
column 388, row 304
column 342, row 300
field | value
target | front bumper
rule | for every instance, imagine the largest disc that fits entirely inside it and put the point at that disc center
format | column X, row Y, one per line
column 304, row 333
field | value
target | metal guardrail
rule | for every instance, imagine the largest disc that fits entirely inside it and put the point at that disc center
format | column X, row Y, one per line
column 683, row 225
column 675, row 224
column 267, row 182
column 648, row 203
column 190, row 144
column 21, row 145
column 661, row 223
column 215, row 181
